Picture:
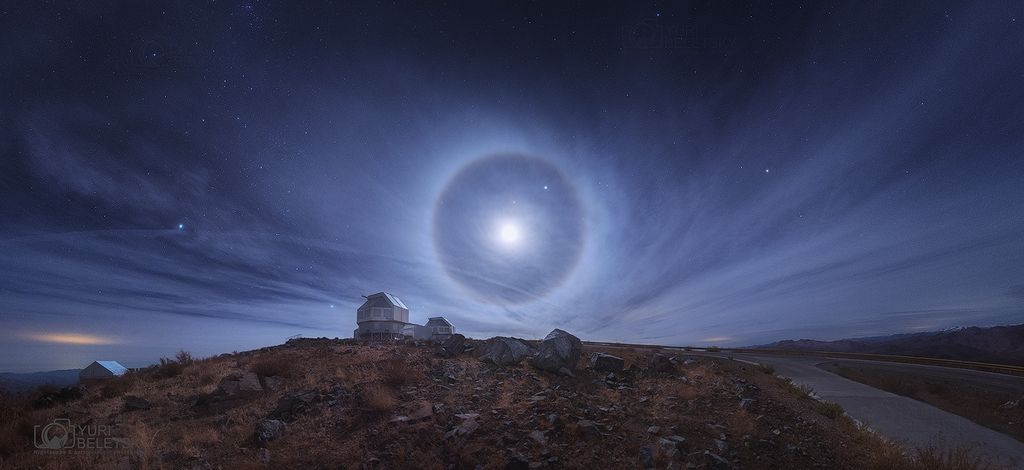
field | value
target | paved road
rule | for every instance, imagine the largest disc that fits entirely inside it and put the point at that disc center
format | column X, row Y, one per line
column 892, row 415
column 1010, row 385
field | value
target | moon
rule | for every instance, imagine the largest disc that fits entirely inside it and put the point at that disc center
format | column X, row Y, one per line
column 508, row 234
column 509, row 228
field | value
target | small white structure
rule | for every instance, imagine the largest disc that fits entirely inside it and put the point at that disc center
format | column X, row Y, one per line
column 383, row 316
column 440, row 328
column 102, row 370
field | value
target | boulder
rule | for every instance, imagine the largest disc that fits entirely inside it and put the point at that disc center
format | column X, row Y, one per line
column 293, row 405
column 747, row 390
column 273, row 383
column 269, row 429
column 423, row 412
column 263, row 455
column 669, row 448
column 517, row 462
column 505, row 351
column 660, row 363
column 453, row 346
column 196, row 463
column 559, row 352
column 674, row 441
column 715, row 461
column 606, row 362
column 467, row 426
column 234, row 390
column 646, row 457
column 240, row 383
column 133, row 403
column 587, row 428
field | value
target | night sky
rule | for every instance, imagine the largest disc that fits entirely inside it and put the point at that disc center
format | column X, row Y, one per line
column 221, row 176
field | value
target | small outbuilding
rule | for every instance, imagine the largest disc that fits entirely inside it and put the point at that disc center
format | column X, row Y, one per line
column 440, row 328
column 102, row 370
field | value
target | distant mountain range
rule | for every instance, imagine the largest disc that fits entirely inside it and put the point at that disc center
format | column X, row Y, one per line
column 11, row 382
column 997, row 344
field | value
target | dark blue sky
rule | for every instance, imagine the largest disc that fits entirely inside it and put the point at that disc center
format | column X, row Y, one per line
column 220, row 176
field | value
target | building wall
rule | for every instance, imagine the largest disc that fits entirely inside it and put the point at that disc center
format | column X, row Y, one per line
column 368, row 328
column 95, row 371
column 416, row 331
column 382, row 313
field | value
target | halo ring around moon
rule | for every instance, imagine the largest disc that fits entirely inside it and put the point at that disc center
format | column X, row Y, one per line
column 485, row 194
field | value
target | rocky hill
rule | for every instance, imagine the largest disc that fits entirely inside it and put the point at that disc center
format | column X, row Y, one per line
column 998, row 344
column 499, row 403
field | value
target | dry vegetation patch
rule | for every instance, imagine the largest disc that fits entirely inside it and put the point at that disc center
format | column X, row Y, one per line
column 397, row 406
column 998, row 406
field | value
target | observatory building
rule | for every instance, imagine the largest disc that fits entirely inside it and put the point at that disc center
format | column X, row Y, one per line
column 102, row 370
column 383, row 316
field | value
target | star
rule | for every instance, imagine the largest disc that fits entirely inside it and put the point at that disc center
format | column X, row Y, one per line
column 181, row 226
column 545, row 186
column 766, row 170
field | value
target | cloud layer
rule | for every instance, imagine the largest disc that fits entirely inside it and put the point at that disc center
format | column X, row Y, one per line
column 740, row 178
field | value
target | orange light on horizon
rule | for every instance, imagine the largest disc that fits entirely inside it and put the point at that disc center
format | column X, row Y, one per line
column 71, row 338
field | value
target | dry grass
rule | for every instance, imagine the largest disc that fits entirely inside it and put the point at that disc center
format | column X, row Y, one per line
column 118, row 386
column 184, row 358
column 144, row 452
column 378, row 398
column 829, row 409
column 195, row 440
column 801, row 390
column 955, row 457
column 397, row 372
column 275, row 366
column 890, row 456
column 168, row 368
column 15, row 430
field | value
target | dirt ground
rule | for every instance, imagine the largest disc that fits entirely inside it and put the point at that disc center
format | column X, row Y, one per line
column 341, row 404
